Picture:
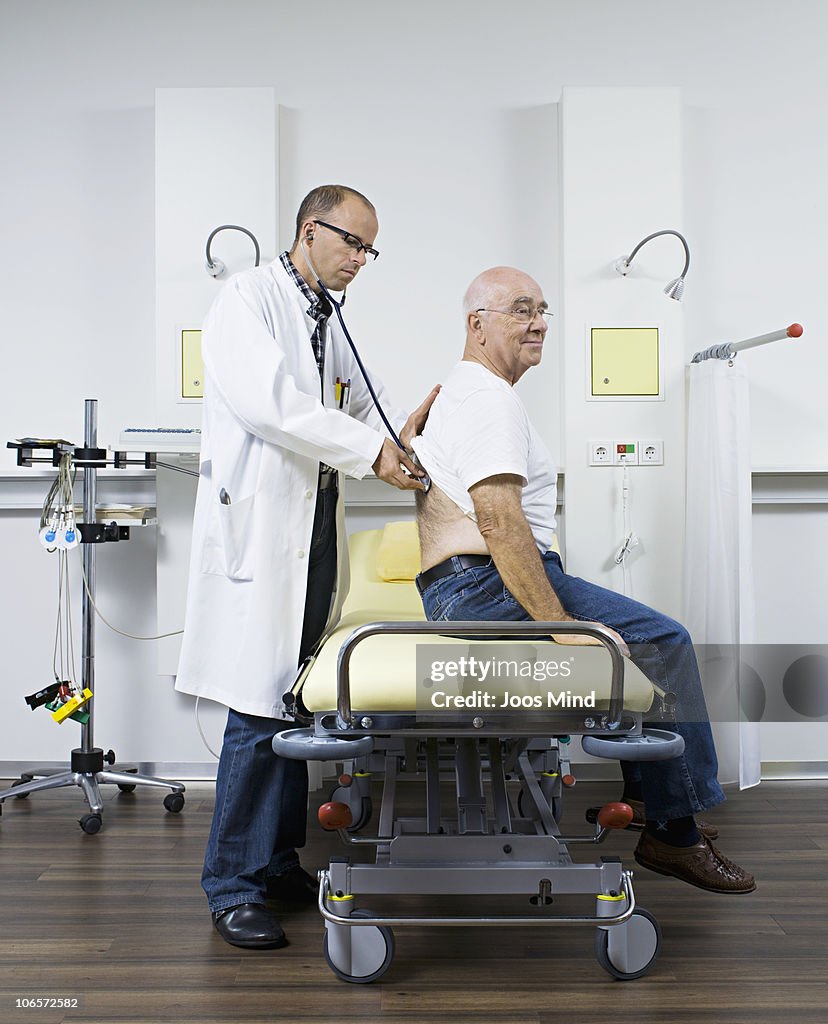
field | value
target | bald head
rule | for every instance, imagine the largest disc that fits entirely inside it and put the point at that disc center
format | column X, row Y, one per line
column 494, row 286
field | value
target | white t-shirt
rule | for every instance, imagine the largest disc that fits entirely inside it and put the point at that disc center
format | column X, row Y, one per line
column 478, row 427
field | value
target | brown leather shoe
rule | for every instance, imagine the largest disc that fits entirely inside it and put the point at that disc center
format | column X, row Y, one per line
column 701, row 865
column 637, row 824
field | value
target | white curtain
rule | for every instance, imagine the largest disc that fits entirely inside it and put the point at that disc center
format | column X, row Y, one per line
column 718, row 575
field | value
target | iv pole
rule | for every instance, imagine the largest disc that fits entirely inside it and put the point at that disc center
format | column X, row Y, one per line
column 87, row 761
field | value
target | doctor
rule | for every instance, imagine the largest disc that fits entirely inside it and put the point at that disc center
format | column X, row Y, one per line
column 285, row 413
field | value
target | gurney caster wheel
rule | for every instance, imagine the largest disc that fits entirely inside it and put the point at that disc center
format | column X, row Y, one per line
column 629, row 955
column 363, row 955
column 526, row 807
column 361, row 809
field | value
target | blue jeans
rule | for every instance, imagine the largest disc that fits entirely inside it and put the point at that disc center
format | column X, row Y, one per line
column 262, row 799
column 659, row 646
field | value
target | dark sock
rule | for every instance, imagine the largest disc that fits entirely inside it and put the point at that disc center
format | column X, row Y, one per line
column 673, row 831
column 631, row 774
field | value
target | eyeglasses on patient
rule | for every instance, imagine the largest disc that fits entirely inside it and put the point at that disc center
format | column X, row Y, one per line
column 350, row 240
column 523, row 312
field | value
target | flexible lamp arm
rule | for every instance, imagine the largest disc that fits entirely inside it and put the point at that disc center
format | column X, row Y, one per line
column 216, row 267
column 656, row 234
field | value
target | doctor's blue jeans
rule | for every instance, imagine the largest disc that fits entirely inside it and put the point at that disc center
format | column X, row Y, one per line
column 262, row 799
column 659, row 646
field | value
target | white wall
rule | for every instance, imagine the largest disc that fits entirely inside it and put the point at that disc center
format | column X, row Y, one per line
column 790, row 561
column 612, row 195
column 437, row 112
column 444, row 115
column 216, row 163
column 758, row 221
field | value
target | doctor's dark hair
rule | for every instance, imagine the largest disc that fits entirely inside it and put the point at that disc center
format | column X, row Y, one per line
column 321, row 200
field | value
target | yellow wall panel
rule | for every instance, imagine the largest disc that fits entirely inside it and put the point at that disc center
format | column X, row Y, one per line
column 625, row 361
column 192, row 367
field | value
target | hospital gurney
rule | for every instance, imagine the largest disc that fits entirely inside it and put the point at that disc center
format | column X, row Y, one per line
column 372, row 707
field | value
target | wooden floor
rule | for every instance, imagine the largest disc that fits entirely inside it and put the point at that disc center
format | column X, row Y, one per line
column 118, row 921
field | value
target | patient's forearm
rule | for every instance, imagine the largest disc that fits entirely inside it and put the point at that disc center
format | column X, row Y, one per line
column 502, row 524
column 508, row 536
column 519, row 563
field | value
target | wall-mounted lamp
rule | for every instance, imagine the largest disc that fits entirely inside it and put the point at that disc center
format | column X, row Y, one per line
column 215, row 267
column 675, row 289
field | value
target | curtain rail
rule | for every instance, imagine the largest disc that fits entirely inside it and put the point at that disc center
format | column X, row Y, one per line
column 730, row 348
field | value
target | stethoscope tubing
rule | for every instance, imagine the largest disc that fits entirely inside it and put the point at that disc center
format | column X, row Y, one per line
column 425, row 480
column 338, row 307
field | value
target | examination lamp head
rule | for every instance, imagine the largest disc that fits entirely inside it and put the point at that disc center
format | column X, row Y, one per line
column 675, row 289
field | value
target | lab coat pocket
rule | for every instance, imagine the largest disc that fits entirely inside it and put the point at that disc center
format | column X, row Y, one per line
column 231, row 553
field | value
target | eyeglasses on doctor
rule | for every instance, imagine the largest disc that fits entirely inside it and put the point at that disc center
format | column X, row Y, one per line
column 350, row 240
column 523, row 313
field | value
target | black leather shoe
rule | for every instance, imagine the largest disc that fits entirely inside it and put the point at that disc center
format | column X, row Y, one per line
column 249, row 925
column 294, row 886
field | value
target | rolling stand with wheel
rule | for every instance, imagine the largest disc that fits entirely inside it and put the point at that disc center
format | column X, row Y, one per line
column 86, row 768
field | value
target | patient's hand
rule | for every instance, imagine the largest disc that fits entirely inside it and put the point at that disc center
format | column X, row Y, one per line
column 584, row 640
column 417, row 420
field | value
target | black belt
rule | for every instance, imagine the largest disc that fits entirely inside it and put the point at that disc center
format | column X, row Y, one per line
column 455, row 564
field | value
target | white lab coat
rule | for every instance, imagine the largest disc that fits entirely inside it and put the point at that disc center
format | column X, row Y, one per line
column 264, row 433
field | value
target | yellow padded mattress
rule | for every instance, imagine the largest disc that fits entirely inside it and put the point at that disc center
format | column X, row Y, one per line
column 383, row 669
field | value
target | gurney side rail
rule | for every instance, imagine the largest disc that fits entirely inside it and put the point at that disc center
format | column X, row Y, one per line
column 463, row 630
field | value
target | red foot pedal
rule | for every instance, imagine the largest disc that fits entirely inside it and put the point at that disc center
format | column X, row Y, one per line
column 615, row 815
column 345, row 779
column 568, row 781
column 336, row 815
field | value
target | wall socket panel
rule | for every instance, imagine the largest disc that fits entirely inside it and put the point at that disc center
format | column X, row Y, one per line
column 622, row 452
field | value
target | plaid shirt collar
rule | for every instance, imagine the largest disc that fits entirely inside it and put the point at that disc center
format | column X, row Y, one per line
column 318, row 305
column 318, row 310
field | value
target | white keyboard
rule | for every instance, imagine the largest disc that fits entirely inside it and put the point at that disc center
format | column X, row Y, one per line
column 159, row 439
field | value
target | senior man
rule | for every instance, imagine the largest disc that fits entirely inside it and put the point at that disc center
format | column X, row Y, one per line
column 286, row 412
column 486, row 528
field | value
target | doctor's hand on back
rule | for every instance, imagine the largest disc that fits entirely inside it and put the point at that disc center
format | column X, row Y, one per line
column 395, row 466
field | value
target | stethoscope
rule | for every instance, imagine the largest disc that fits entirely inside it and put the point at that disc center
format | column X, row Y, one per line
column 424, row 480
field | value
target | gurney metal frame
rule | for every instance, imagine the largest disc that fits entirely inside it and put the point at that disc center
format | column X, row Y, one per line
column 504, row 853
